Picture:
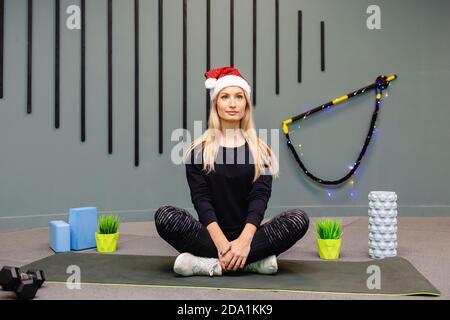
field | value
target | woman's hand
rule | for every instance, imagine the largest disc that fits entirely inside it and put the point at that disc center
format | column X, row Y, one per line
column 224, row 254
column 221, row 242
column 225, row 260
column 232, row 255
column 240, row 248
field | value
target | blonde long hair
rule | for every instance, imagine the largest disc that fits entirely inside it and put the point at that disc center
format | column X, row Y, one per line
column 264, row 158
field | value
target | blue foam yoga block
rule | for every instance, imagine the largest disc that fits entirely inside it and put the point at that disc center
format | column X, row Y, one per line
column 83, row 225
column 59, row 236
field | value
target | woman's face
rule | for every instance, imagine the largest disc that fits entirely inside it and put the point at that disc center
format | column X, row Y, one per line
column 231, row 104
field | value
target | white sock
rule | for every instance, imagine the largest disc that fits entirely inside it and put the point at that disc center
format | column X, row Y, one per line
column 267, row 265
column 186, row 264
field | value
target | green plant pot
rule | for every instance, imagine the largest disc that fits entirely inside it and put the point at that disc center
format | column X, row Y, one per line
column 106, row 242
column 329, row 249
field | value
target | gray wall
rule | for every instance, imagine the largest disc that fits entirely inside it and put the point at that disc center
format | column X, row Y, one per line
column 44, row 171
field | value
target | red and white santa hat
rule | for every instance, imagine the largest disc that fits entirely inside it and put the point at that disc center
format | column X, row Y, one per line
column 217, row 79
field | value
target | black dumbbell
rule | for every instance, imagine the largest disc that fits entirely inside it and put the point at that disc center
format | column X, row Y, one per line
column 38, row 276
column 25, row 285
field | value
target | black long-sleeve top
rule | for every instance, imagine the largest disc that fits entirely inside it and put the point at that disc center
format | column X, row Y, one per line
column 227, row 195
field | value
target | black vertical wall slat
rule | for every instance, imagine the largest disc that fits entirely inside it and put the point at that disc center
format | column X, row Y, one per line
column 184, row 64
column 208, row 52
column 232, row 33
column 29, row 54
column 160, row 74
column 110, row 115
column 57, row 64
column 136, row 83
column 322, row 45
column 300, row 35
column 254, row 52
column 277, row 47
column 2, row 26
column 83, row 71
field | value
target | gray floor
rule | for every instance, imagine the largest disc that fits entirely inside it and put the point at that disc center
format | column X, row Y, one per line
column 425, row 242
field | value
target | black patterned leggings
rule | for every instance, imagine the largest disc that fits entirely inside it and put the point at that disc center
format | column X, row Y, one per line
column 183, row 232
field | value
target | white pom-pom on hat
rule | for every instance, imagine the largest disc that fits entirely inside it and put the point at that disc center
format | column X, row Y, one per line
column 210, row 83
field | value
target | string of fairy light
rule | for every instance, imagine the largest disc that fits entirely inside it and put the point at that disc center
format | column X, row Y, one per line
column 380, row 84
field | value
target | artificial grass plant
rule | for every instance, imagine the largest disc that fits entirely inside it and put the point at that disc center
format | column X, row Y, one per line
column 328, row 229
column 108, row 224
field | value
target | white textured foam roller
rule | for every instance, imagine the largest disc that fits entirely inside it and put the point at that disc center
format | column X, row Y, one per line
column 382, row 224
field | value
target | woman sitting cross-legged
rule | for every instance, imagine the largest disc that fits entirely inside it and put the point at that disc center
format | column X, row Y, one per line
column 229, row 172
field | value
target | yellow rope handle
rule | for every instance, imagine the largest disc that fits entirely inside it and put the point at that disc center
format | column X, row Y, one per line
column 285, row 125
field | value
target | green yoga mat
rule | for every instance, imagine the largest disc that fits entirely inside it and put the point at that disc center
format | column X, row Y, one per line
column 397, row 275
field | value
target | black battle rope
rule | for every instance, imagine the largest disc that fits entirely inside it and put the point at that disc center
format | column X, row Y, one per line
column 381, row 83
